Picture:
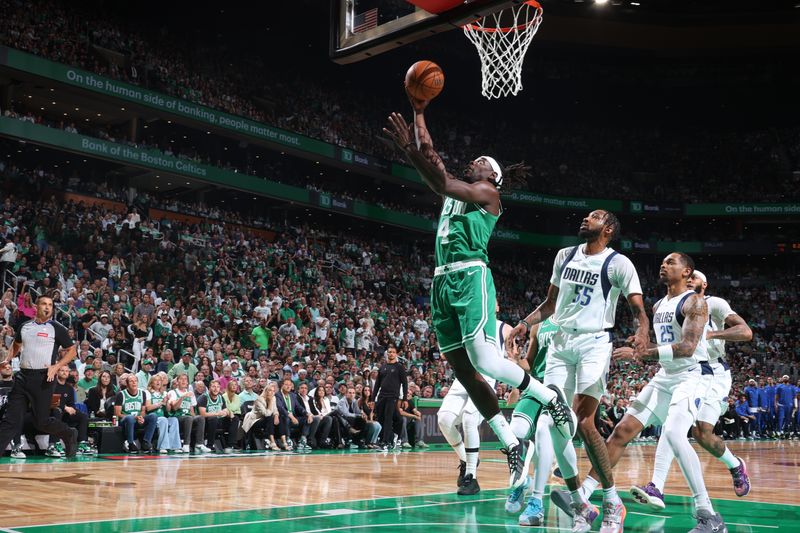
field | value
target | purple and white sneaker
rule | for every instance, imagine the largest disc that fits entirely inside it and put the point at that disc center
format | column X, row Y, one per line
column 648, row 495
column 741, row 481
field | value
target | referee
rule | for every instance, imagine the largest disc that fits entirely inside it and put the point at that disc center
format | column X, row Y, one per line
column 37, row 341
column 390, row 388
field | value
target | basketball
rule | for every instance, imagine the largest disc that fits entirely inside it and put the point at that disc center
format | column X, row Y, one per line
column 424, row 80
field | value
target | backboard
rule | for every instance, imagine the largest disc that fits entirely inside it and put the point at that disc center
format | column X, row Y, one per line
column 363, row 28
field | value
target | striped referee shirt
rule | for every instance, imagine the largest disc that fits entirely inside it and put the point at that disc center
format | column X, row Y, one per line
column 40, row 343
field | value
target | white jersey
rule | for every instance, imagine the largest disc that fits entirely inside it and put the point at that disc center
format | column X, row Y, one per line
column 589, row 287
column 668, row 326
column 718, row 311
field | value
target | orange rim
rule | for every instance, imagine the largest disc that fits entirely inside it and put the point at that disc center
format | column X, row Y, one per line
column 532, row 3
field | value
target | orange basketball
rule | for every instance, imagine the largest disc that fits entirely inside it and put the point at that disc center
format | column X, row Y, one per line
column 424, row 80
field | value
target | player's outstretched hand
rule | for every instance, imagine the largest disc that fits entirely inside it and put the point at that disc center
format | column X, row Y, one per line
column 624, row 353
column 417, row 104
column 400, row 132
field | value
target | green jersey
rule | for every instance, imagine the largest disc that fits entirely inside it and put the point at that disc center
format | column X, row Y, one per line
column 132, row 405
column 463, row 232
column 212, row 406
column 156, row 397
column 543, row 338
column 185, row 407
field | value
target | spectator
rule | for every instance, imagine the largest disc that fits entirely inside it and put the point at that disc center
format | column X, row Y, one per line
column 212, row 407
column 367, row 406
column 100, row 398
column 181, row 404
column 130, row 410
column 185, row 366
column 169, row 436
column 70, row 415
column 293, row 417
column 329, row 424
column 264, row 416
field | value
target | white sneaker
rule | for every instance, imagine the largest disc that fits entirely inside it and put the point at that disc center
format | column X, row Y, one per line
column 184, row 449
column 17, row 453
column 227, row 450
column 163, row 451
column 202, row 448
column 421, row 444
column 406, row 445
column 52, row 451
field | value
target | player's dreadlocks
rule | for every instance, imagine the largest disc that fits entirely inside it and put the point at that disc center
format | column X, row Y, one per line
column 515, row 176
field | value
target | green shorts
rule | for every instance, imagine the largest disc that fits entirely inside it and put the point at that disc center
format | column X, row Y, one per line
column 529, row 409
column 462, row 306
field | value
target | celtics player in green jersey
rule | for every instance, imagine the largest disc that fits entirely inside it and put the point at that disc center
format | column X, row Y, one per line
column 462, row 293
column 525, row 421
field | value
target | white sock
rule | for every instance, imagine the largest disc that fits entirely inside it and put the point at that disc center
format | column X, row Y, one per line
column 590, row 484
column 664, row 457
column 610, row 495
column 677, row 425
column 500, row 426
column 462, row 454
column 729, row 460
column 472, row 461
column 564, row 451
column 543, row 395
column 545, row 455
column 577, row 497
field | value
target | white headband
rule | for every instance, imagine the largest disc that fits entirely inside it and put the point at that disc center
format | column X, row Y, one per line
column 700, row 275
column 498, row 181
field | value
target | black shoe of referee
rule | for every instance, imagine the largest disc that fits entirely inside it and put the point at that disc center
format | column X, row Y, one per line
column 71, row 443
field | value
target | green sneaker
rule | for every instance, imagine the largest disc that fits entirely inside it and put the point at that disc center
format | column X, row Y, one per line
column 60, row 447
column 84, row 448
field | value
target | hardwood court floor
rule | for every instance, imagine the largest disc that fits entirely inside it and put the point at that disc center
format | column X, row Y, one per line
column 355, row 491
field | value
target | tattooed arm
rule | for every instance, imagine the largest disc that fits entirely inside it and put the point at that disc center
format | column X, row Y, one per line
column 736, row 330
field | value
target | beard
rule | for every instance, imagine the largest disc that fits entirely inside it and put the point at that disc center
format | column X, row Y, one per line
column 589, row 234
column 698, row 289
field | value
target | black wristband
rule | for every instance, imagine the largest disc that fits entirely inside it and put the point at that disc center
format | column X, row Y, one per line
column 527, row 326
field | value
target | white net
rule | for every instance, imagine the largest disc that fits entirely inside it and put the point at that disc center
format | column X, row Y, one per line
column 502, row 39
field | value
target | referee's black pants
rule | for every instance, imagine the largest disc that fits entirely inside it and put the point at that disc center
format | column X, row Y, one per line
column 390, row 419
column 31, row 387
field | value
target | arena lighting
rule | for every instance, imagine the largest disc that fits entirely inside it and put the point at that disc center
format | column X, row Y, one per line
column 601, row 2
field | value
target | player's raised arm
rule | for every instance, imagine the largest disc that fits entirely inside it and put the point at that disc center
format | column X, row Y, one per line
column 429, row 164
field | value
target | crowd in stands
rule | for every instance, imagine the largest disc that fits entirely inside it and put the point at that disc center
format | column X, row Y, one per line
column 687, row 164
column 291, row 171
column 224, row 329
column 312, row 311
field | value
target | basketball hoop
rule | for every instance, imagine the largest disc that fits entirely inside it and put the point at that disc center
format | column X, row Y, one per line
column 502, row 39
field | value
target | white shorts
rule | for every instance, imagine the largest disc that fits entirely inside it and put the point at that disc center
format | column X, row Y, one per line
column 665, row 390
column 716, row 400
column 578, row 363
column 458, row 402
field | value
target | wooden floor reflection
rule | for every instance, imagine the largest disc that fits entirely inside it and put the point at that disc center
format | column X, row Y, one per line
column 85, row 490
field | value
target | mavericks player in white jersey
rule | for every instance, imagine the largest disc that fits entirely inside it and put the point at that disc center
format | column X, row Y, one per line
column 674, row 396
column 586, row 283
column 723, row 325
column 457, row 407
